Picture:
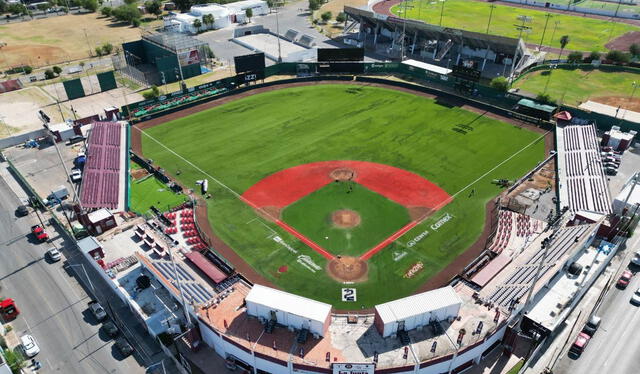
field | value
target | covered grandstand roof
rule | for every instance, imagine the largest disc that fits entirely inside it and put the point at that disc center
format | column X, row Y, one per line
column 497, row 43
column 103, row 179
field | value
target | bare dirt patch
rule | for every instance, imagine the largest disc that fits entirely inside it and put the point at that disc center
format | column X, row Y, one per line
column 348, row 269
column 619, row 101
column 345, row 219
column 419, row 213
column 270, row 213
column 343, row 174
column 139, row 173
column 623, row 42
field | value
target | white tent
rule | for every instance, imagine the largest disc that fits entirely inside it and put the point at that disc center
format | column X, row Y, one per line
column 289, row 310
column 417, row 310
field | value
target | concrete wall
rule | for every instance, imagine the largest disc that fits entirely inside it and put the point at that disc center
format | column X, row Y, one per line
column 21, row 138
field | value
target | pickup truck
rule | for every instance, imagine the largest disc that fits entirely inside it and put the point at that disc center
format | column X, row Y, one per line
column 39, row 233
column 97, row 310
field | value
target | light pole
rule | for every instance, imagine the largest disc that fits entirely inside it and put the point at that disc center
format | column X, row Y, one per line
column 441, row 12
column 553, row 34
column 633, row 91
column 278, row 32
column 548, row 15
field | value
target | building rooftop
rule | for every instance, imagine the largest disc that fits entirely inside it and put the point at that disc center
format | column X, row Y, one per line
column 407, row 307
column 173, row 40
column 291, row 303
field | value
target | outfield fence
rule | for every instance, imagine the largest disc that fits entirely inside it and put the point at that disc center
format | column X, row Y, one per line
column 439, row 85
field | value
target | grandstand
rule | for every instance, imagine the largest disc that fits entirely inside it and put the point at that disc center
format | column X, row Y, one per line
column 582, row 181
column 103, row 182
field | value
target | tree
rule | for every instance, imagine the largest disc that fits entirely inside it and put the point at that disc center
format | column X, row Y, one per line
column 27, row 69
column 135, row 22
column 14, row 359
column 99, row 51
column 634, row 49
column 197, row 24
column 314, row 5
column 43, row 7
column 90, row 5
column 326, row 16
column 500, row 83
column 574, row 57
column 594, row 56
column 183, row 5
column 341, row 17
column 208, row 51
column 48, row 74
column 208, row 20
column 107, row 48
column 564, row 40
column 544, row 98
column 4, row 7
column 153, row 93
column 249, row 13
column 154, row 7
column 618, row 57
column 127, row 13
column 17, row 8
column 57, row 70
column 106, row 11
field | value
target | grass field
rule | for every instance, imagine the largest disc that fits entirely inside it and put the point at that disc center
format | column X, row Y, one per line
column 586, row 34
column 151, row 191
column 243, row 141
column 380, row 217
column 56, row 39
column 576, row 86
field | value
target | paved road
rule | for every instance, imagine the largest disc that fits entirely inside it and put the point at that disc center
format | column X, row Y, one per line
column 615, row 347
column 52, row 304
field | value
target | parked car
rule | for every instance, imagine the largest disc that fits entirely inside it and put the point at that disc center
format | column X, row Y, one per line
column 592, row 325
column 124, row 347
column 29, row 345
column 580, row 344
column 75, row 139
column 611, row 165
column 635, row 298
column 75, row 175
column 22, row 211
column 97, row 310
column 636, row 258
column 111, row 329
column 624, row 279
column 611, row 171
column 611, row 159
column 54, row 254
column 39, row 233
column 607, row 149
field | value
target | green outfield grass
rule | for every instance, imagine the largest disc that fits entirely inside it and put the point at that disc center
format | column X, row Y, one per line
column 380, row 217
column 586, row 34
column 243, row 141
column 151, row 191
column 574, row 86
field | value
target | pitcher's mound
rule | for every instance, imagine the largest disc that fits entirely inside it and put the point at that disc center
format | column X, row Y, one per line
column 345, row 218
column 342, row 174
column 347, row 269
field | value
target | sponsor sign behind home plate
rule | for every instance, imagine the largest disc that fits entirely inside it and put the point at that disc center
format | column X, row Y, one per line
column 353, row 368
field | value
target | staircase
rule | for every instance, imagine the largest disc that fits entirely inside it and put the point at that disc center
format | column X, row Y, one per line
column 404, row 337
column 447, row 46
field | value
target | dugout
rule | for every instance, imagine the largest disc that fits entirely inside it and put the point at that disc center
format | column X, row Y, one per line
column 536, row 110
column 163, row 57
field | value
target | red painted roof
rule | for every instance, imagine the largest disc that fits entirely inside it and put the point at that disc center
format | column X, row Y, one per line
column 206, row 266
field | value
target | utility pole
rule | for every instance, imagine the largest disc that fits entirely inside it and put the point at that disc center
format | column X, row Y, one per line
column 278, row 32
column 441, row 12
column 547, row 16
column 633, row 91
column 492, row 6
column 554, row 31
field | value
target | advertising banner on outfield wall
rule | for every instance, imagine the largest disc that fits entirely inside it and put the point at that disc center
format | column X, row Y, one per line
column 353, row 368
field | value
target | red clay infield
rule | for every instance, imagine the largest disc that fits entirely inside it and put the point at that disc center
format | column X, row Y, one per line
column 290, row 185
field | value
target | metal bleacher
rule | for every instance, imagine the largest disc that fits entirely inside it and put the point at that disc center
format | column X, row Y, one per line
column 193, row 291
column 518, row 283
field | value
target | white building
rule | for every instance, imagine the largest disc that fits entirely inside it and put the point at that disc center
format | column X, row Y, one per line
column 418, row 310
column 288, row 309
column 238, row 9
column 629, row 193
column 183, row 22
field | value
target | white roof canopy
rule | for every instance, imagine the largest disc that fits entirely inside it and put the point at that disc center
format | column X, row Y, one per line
column 289, row 303
column 429, row 67
column 426, row 302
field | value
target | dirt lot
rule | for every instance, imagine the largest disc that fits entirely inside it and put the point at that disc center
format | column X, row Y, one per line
column 19, row 110
column 620, row 101
column 56, row 39
column 336, row 7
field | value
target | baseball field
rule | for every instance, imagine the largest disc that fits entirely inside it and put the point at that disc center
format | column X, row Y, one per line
column 332, row 186
column 585, row 34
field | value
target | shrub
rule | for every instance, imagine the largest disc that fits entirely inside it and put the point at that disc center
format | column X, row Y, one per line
column 57, row 70
column 574, row 57
column 593, row 56
column 106, row 11
column 544, row 98
column 618, row 57
column 48, row 74
column 341, row 17
column 153, row 93
column 27, row 69
column 326, row 16
column 500, row 83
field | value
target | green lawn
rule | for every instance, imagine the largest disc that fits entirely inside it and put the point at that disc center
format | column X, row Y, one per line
column 575, row 86
column 151, row 191
column 243, row 141
column 380, row 217
column 586, row 34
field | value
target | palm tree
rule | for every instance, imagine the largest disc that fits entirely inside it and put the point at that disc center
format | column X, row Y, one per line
column 208, row 20
column 197, row 24
column 564, row 40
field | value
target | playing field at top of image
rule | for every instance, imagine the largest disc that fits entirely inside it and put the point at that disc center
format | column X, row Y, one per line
column 244, row 141
column 585, row 34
